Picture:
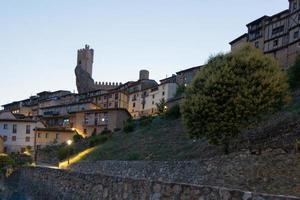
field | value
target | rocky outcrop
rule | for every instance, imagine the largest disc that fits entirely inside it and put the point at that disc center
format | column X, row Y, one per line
column 84, row 81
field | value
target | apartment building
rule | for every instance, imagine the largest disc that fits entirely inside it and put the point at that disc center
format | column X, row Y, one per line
column 18, row 134
column 277, row 35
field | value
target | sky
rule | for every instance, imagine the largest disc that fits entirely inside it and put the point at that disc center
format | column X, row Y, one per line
column 39, row 38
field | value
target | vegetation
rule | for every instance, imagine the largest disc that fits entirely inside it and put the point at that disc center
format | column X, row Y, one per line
column 129, row 126
column 173, row 112
column 233, row 91
column 97, row 140
column 77, row 138
column 180, row 90
column 294, row 75
column 6, row 161
column 161, row 106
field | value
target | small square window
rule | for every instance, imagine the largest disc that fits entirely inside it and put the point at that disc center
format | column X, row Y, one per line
column 275, row 43
column 27, row 139
column 4, row 138
column 14, row 138
column 5, row 126
column 14, row 128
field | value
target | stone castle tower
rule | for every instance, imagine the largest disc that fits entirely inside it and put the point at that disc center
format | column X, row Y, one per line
column 84, row 73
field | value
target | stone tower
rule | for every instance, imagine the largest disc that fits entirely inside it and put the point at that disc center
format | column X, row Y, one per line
column 84, row 70
column 85, row 59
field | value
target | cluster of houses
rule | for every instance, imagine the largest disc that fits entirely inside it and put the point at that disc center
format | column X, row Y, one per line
column 51, row 118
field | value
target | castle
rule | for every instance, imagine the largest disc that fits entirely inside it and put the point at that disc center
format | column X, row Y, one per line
column 84, row 73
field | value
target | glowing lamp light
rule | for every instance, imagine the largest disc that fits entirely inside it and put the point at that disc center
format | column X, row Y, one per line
column 103, row 119
column 69, row 142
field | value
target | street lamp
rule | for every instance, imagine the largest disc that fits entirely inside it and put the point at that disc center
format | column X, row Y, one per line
column 69, row 142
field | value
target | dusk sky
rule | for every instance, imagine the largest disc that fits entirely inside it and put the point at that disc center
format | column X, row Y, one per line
column 39, row 38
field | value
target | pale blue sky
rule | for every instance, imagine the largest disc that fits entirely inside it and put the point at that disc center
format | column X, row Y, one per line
column 39, row 38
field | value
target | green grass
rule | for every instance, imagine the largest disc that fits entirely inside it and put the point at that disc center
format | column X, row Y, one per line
column 163, row 139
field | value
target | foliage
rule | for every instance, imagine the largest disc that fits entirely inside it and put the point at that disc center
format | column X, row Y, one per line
column 77, row 138
column 6, row 161
column 65, row 151
column 134, row 156
column 145, row 120
column 173, row 112
column 22, row 159
column 105, row 132
column 161, row 106
column 180, row 90
column 294, row 75
column 97, row 140
column 129, row 126
column 233, row 91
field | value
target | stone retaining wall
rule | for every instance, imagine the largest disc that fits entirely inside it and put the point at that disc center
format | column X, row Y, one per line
column 274, row 173
column 48, row 184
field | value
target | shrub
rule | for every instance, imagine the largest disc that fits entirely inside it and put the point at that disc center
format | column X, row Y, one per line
column 134, row 156
column 65, row 152
column 22, row 159
column 97, row 140
column 294, row 75
column 145, row 120
column 77, row 138
column 106, row 132
column 129, row 126
column 161, row 106
column 233, row 91
column 6, row 161
column 180, row 90
column 173, row 112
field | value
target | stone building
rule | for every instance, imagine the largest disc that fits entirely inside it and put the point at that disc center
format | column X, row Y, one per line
column 277, row 35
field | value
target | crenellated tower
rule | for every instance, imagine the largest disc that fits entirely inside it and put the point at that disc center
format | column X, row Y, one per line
column 85, row 59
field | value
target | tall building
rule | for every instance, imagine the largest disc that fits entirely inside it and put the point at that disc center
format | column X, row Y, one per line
column 277, row 35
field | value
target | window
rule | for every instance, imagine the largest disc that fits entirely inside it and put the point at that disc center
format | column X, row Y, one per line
column 152, row 102
column 153, row 96
column 39, row 135
column 295, row 5
column 275, row 43
column 4, row 138
column 27, row 139
column 277, row 30
column 256, row 44
column 14, row 128
column 27, row 129
column 5, row 126
column 133, row 105
column 163, row 93
column 46, row 135
column 56, row 136
column 296, row 34
column 85, row 131
column 14, row 138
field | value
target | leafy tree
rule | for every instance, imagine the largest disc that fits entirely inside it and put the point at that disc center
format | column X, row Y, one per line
column 77, row 138
column 161, row 106
column 294, row 75
column 233, row 91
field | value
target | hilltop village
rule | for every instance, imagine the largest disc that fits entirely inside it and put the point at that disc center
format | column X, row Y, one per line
column 54, row 117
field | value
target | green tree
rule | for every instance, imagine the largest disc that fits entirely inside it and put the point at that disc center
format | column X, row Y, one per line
column 161, row 106
column 233, row 91
column 294, row 75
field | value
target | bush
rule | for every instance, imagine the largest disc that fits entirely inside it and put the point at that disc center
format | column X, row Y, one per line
column 232, row 92
column 22, row 159
column 173, row 112
column 77, row 138
column 65, row 152
column 6, row 161
column 145, row 120
column 161, row 106
column 134, row 156
column 129, row 126
column 106, row 132
column 97, row 140
column 294, row 75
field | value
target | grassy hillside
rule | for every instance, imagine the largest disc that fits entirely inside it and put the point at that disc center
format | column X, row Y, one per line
column 163, row 139
column 166, row 139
